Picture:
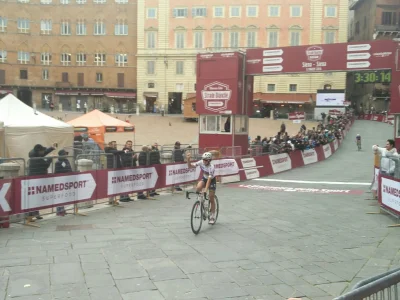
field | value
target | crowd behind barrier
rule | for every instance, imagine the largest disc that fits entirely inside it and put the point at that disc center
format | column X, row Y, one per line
column 89, row 182
column 378, row 118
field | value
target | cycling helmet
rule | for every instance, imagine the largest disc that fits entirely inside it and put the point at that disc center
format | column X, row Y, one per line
column 358, row 134
column 207, row 155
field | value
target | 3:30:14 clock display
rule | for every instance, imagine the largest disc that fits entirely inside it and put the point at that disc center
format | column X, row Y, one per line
column 384, row 76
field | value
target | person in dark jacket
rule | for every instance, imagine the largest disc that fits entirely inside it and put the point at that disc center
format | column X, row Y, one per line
column 178, row 156
column 142, row 160
column 113, row 161
column 38, row 165
column 62, row 166
column 155, row 159
column 128, row 160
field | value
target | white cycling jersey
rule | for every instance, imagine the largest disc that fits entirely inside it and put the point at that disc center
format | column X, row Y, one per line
column 208, row 171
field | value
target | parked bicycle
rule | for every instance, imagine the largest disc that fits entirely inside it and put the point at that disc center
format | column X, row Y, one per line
column 201, row 210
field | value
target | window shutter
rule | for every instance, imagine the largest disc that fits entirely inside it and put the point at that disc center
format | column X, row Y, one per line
column 121, row 79
column 2, row 76
column 81, row 81
column 186, row 12
column 174, row 12
column 65, row 77
column 194, row 12
column 205, row 12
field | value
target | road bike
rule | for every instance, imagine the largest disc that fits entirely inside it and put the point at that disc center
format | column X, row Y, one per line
column 202, row 210
column 359, row 145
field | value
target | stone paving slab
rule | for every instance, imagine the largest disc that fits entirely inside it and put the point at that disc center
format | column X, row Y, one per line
column 266, row 245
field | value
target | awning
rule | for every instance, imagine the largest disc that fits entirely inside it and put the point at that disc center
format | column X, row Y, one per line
column 120, row 95
column 2, row 91
column 76, row 93
column 284, row 98
column 150, row 94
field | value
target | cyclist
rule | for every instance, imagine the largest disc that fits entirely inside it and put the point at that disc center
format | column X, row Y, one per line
column 358, row 141
column 208, row 180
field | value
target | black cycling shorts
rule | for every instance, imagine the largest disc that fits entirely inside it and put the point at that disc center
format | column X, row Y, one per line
column 213, row 183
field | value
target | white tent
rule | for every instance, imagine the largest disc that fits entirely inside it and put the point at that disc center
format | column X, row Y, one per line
column 24, row 128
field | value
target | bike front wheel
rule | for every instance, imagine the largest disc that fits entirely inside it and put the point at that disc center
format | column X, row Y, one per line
column 196, row 217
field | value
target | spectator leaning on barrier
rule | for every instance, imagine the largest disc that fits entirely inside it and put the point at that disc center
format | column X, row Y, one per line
column 178, row 156
column 142, row 160
column 38, row 165
column 128, row 160
column 154, row 160
column 387, row 166
column 62, row 166
column 114, row 160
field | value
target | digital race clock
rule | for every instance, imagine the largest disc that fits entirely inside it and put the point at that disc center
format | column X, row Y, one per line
column 383, row 76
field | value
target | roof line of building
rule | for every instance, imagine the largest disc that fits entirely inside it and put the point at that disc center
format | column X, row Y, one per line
column 356, row 4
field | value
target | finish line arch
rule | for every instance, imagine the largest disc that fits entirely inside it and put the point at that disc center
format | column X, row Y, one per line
column 225, row 81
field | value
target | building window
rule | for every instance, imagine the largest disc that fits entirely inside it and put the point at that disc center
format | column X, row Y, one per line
column 180, row 12
column 99, row 77
column 45, row 58
column 64, row 77
column 151, row 40
column 234, row 40
column 271, row 87
column 151, row 85
column 45, row 74
column 121, row 28
column 152, row 13
column 81, row 59
column 121, row 1
column 217, row 39
column 45, row 26
column 80, row 1
column 99, row 1
column 99, row 27
column 329, row 37
column 292, row 87
column 180, row 40
column 295, row 11
column 66, row 59
column 252, row 11
column 120, row 80
column 3, row 24
column 388, row 18
column 121, row 59
column 273, row 38
column 23, row 74
column 179, row 67
column 198, row 40
column 99, row 59
column 64, row 2
column 23, row 25
column 45, row 1
column 218, row 12
column 65, row 27
column 274, row 11
column 23, row 1
column 23, row 57
column 235, row 11
column 251, row 39
column 294, row 38
column 3, row 56
column 199, row 12
column 81, row 28
column 151, row 67
column 330, row 11
column 357, row 29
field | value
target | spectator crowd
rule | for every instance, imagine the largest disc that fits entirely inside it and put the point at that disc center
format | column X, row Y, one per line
column 325, row 132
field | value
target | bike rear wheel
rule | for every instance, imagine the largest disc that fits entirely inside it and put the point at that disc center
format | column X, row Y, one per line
column 196, row 217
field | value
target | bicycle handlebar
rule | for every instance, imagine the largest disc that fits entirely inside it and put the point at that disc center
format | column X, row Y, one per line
column 188, row 193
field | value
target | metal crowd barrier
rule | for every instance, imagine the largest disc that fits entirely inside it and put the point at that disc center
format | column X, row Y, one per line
column 385, row 286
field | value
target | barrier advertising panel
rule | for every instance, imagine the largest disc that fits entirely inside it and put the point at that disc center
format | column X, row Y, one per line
column 309, row 156
column 327, row 150
column 180, row 173
column 280, row 162
column 390, row 194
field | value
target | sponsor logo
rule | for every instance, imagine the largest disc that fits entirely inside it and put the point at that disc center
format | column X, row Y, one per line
column 3, row 201
column 254, row 61
column 314, row 53
column 252, row 173
column 132, row 177
column 224, row 165
column 227, row 54
column 248, row 162
column 280, row 160
column 298, row 190
column 181, row 171
column 58, row 187
column 391, row 194
column 216, row 96
column 391, row 190
column 382, row 54
column 207, row 55
column 309, row 154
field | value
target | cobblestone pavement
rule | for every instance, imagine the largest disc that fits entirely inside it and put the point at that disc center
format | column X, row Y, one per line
column 266, row 245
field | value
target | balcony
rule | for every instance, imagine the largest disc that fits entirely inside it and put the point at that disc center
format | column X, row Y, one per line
column 387, row 27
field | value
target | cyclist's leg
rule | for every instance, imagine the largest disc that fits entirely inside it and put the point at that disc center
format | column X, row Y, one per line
column 213, row 187
column 200, row 186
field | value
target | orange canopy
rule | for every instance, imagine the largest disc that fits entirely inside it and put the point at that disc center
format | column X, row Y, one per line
column 97, row 123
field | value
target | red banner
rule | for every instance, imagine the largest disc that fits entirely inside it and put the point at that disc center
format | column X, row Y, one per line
column 378, row 118
column 297, row 115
